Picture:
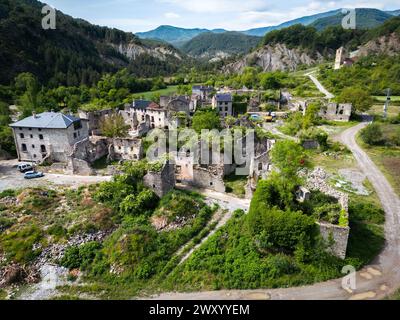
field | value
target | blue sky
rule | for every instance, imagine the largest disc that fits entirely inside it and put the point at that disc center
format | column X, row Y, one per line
column 143, row 15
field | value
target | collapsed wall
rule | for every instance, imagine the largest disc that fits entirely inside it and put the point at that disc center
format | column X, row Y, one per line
column 335, row 235
column 161, row 182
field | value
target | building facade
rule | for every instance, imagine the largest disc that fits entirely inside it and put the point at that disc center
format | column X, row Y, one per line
column 48, row 135
column 223, row 103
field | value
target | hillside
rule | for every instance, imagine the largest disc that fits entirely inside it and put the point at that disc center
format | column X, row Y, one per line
column 307, row 20
column 394, row 12
column 212, row 46
column 289, row 48
column 174, row 35
column 77, row 52
column 365, row 19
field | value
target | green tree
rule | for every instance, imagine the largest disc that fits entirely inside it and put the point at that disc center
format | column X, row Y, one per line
column 360, row 98
column 114, row 127
column 288, row 157
column 27, row 85
column 311, row 116
column 206, row 119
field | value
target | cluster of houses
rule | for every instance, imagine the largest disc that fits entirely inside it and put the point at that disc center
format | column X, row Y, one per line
column 77, row 142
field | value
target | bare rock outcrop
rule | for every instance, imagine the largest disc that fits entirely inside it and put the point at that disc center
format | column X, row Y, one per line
column 274, row 58
column 134, row 50
column 388, row 45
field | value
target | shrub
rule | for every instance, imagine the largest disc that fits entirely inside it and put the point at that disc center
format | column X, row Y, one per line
column 80, row 257
column 57, row 231
column 372, row 134
column 206, row 119
column 6, row 223
column 279, row 265
column 7, row 193
column 143, row 203
column 279, row 229
column 113, row 192
column 18, row 245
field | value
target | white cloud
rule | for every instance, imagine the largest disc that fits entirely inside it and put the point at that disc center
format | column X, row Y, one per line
column 216, row 6
column 172, row 15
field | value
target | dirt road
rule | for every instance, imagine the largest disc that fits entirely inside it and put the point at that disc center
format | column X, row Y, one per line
column 372, row 282
column 320, row 87
column 10, row 178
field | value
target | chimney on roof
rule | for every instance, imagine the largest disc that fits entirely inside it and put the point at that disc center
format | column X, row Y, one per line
column 34, row 114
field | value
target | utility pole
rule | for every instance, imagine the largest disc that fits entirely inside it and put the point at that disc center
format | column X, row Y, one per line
column 386, row 106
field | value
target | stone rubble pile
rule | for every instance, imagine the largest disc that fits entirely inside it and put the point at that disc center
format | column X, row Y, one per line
column 317, row 180
column 56, row 251
column 9, row 201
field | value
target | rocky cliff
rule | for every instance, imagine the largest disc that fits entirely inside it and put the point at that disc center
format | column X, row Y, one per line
column 388, row 45
column 274, row 58
column 133, row 50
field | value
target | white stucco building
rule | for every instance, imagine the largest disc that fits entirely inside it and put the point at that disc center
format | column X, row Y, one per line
column 48, row 135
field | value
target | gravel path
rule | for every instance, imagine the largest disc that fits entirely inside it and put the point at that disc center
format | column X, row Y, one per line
column 372, row 282
column 320, row 87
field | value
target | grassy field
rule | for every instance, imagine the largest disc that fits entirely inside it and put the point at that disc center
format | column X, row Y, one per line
column 236, row 185
column 383, row 98
column 377, row 109
column 386, row 158
column 170, row 90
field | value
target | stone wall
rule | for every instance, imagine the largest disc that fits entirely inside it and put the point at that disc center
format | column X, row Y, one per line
column 126, row 149
column 79, row 167
column 317, row 181
column 338, row 234
column 206, row 178
column 310, row 144
column 94, row 119
column 161, row 182
column 91, row 149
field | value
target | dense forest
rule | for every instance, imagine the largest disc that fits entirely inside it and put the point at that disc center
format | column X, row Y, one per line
column 208, row 44
column 76, row 53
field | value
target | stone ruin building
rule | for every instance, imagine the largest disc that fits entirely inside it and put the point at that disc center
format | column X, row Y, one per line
column 317, row 181
column 337, row 111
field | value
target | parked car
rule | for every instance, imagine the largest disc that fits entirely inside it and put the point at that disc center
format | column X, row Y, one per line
column 33, row 175
column 24, row 167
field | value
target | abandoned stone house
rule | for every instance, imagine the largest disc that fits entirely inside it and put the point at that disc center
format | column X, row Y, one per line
column 126, row 149
column 202, row 92
column 176, row 104
column 48, row 135
column 148, row 113
column 223, row 103
column 163, row 181
column 344, row 58
column 260, row 165
column 317, row 181
column 95, row 118
column 336, row 111
column 190, row 171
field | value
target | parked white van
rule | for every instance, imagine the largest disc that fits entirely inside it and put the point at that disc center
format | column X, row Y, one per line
column 24, row 167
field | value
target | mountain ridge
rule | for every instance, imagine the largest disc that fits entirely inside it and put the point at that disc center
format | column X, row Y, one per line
column 179, row 36
column 216, row 46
